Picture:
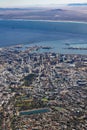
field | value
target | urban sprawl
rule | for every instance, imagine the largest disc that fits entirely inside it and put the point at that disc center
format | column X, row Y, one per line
column 42, row 91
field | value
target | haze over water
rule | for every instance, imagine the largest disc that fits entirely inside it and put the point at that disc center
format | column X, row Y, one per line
column 44, row 33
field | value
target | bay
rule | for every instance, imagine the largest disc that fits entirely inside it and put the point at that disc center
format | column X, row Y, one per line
column 44, row 33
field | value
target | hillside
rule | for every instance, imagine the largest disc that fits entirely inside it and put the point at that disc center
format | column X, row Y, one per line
column 68, row 13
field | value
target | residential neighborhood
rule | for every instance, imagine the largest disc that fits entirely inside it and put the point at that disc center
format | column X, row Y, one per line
column 42, row 91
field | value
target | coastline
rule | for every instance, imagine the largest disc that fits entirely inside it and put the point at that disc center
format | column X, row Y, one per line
column 63, row 21
column 57, row 43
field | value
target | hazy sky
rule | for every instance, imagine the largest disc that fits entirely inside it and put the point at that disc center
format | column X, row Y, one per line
column 13, row 3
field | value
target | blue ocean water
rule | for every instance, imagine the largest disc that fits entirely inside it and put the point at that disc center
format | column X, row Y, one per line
column 45, row 33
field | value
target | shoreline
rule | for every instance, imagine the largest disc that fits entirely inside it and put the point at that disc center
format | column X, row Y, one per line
column 54, row 21
column 18, row 48
column 44, row 22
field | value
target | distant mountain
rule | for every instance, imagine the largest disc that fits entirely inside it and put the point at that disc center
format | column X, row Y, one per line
column 56, row 10
column 78, row 4
column 67, row 13
column 11, row 9
column 26, row 8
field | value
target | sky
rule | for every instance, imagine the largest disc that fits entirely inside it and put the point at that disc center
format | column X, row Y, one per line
column 24, row 3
